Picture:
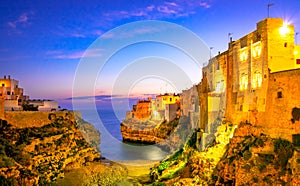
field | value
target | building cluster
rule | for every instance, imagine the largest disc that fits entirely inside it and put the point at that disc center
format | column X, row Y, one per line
column 13, row 98
column 163, row 107
column 255, row 81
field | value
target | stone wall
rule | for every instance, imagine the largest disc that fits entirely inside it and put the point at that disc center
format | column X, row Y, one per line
column 23, row 119
column 283, row 96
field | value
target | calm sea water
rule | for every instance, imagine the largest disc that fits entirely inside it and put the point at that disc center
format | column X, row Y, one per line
column 106, row 117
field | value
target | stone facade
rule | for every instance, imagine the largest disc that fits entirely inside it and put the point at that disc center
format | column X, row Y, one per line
column 244, row 83
column 11, row 91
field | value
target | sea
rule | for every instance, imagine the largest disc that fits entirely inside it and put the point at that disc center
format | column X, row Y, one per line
column 106, row 115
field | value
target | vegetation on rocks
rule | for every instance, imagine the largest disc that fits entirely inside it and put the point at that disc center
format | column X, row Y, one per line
column 241, row 155
column 42, row 155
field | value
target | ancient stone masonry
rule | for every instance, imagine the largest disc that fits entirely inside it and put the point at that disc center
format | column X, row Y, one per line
column 254, row 81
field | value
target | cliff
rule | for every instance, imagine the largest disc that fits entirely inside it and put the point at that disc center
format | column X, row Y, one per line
column 41, row 155
column 239, row 155
column 168, row 135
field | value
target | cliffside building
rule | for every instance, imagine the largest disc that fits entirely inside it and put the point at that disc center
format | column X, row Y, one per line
column 12, row 98
column 163, row 107
column 12, row 94
column 256, row 80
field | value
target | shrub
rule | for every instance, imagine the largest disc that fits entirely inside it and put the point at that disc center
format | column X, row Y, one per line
column 262, row 167
column 247, row 155
column 247, row 167
column 284, row 150
column 255, row 180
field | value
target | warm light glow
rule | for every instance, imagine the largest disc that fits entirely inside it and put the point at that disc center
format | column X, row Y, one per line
column 256, row 49
column 296, row 52
column 244, row 82
column 220, row 87
column 284, row 29
column 256, row 80
column 244, row 54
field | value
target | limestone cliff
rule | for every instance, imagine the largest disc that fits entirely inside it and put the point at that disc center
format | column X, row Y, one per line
column 168, row 135
column 239, row 155
column 41, row 155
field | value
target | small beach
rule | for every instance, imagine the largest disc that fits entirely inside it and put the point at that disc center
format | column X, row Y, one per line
column 138, row 170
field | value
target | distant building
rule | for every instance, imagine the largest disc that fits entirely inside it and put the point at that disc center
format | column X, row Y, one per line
column 12, row 94
column 172, row 111
column 163, row 107
column 44, row 105
column 142, row 110
column 189, row 105
column 13, row 98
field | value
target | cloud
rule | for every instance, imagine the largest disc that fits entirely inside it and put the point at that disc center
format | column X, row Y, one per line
column 77, row 35
column 60, row 54
column 22, row 21
column 132, row 33
column 169, row 9
column 204, row 4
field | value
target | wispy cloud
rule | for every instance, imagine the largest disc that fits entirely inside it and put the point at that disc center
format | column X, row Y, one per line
column 134, row 32
column 168, row 9
column 77, row 35
column 60, row 54
column 21, row 21
column 204, row 4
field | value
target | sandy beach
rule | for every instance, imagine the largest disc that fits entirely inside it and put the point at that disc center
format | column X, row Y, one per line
column 138, row 170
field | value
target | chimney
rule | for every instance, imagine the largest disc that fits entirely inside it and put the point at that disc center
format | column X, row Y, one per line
column 4, row 76
column 230, row 39
column 8, row 76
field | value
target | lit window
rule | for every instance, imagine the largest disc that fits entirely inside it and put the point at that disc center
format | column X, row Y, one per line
column 256, row 49
column 220, row 87
column 244, row 82
column 243, row 54
column 256, row 80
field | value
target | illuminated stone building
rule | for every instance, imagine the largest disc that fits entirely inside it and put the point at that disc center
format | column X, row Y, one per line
column 12, row 98
column 12, row 94
column 162, row 100
column 189, row 105
column 142, row 110
column 163, row 107
column 253, row 80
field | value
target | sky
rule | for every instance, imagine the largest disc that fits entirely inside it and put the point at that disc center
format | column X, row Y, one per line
column 42, row 42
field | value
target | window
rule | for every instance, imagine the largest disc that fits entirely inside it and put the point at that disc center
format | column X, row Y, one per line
column 244, row 82
column 244, row 54
column 256, row 80
column 285, row 44
column 256, row 50
column 298, row 61
column 8, row 93
column 279, row 94
column 170, row 99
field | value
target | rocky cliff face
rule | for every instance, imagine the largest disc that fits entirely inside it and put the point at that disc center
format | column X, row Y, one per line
column 253, row 158
column 41, row 155
column 168, row 135
column 240, row 155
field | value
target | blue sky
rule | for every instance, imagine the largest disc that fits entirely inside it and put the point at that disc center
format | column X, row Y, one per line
column 42, row 41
